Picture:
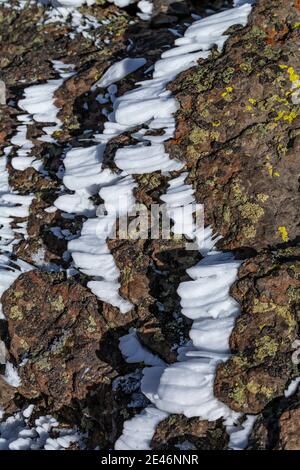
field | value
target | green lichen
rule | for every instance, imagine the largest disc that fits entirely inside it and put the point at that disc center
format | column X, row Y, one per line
column 15, row 313
column 58, row 304
column 228, row 74
column 255, row 388
column 198, row 135
column 238, row 394
column 92, row 325
column 265, row 347
column 43, row 364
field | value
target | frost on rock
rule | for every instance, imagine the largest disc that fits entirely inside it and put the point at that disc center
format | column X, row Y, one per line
column 134, row 352
column 119, row 70
column 138, row 431
column 143, row 115
column 18, row 433
column 187, row 386
column 39, row 104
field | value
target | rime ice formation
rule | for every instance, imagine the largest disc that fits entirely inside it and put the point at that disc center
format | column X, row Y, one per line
column 239, row 434
column 150, row 105
column 134, row 352
column 71, row 3
column 138, row 431
column 187, row 386
column 17, row 434
column 292, row 388
column 38, row 101
column 11, row 205
column 2, row 92
column 119, row 70
column 39, row 104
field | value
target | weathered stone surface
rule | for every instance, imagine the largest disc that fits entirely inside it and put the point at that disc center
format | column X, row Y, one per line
column 237, row 129
column 178, row 432
column 268, row 290
column 277, row 428
column 57, row 325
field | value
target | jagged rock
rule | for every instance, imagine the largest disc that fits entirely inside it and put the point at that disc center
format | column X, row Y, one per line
column 237, row 129
column 178, row 432
column 7, row 393
column 277, row 428
column 268, row 290
column 57, row 325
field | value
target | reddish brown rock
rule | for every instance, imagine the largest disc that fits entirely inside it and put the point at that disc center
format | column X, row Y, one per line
column 57, row 326
column 238, row 130
column 268, row 290
column 178, row 432
column 277, row 427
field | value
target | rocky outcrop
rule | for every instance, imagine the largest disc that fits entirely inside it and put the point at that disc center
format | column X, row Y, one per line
column 277, row 428
column 238, row 133
column 57, row 326
column 238, row 130
column 178, row 432
column 268, row 290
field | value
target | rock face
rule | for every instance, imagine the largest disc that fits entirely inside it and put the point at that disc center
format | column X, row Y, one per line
column 268, row 290
column 57, row 326
column 178, row 432
column 238, row 130
column 277, row 428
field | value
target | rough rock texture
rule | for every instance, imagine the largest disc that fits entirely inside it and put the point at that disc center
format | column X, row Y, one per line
column 277, row 428
column 268, row 290
column 63, row 341
column 178, row 432
column 57, row 326
column 238, row 130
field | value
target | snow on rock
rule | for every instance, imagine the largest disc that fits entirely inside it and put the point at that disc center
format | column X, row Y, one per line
column 119, row 70
column 239, row 434
column 17, row 434
column 138, row 431
column 39, row 103
column 134, row 352
column 122, row 3
column 292, row 388
column 139, row 159
column 146, row 8
column 186, row 387
column 71, row 3
column 11, row 205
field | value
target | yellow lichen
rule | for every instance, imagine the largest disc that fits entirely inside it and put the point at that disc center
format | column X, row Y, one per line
column 271, row 171
column 15, row 313
column 198, row 135
column 262, row 197
column 229, row 90
column 252, row 211
column 294, row 77
column 265, row 347
column 284, row 233
column 58, row 304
